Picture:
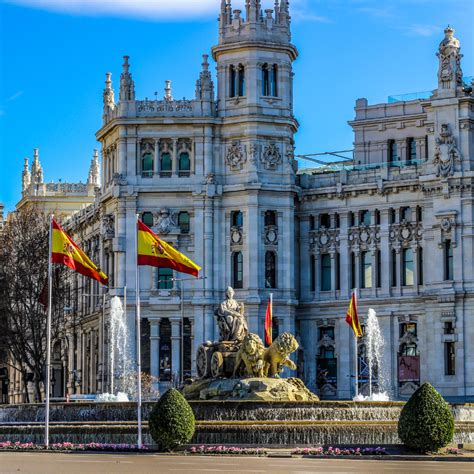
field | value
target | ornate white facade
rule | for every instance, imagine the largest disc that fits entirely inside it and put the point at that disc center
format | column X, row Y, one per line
column 216, row 176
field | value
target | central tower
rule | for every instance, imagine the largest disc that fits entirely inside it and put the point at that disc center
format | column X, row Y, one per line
column 255, row 155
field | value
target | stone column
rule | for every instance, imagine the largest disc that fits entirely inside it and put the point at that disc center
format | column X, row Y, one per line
column 122, row 158
column 156, row 162
column 402, row 151
column 305, row 260
column 333, row 274
column 193, row 349
column 155, row 350
column 356, row 268
column 174, row 165
column 175, row 346
column 317, row 276
column 385, row 251
column 415, row 268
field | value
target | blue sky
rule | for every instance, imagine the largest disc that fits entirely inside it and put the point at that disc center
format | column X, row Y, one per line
column 54, row 55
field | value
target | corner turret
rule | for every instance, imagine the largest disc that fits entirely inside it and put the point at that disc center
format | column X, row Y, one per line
column 36, row 169
column 25, row 176
column 108, row 98
column 449, row 71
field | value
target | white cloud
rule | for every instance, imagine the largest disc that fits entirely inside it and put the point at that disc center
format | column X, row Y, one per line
column 423, row 30
column 158, row 9
column 146, row 9
column 15, row 96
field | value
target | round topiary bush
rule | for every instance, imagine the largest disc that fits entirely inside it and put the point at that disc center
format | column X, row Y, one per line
column 426, row 422
column 171, row 421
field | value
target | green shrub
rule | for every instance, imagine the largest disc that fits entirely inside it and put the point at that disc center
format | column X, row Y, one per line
column 171, row 421
column 426, row 422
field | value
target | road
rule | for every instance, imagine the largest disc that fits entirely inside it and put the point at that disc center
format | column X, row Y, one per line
column 63, row 463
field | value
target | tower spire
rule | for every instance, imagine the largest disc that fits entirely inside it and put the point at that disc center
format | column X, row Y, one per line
column 94, row 170
column 127, row 86
column 25, row 176
column 36, row 169
column 108, row 95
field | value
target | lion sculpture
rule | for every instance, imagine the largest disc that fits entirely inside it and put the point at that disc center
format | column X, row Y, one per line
column 251, row 354
column 276, row 356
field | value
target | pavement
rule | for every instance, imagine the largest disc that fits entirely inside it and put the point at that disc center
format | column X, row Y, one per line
column 67, row 463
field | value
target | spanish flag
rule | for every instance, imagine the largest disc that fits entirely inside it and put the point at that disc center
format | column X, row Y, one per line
column 351, row 317
column 269, row 323
column 65, row 250
column 157, row 253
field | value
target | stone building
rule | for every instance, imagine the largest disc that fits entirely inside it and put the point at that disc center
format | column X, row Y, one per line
column 216, row 176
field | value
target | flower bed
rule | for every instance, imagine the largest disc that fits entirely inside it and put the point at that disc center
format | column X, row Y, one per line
column 17, row 446
column 226, row 450
column 320, row 451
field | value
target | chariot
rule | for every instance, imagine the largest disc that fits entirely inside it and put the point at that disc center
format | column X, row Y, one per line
column 216, row 359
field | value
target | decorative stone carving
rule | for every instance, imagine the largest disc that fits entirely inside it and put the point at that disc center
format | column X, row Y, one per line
column 325, row 240
column 235, row 156
column 271, row 235
column 147, row 147
column 252, row 153
column 446, row 152
column 231, row 319
column 210, row 178
column 119, row 179
column 166, row 219
column 364, row 236
column 236, row 236
column 406, row 232
column 108, row 227
column 449, row 72
column 271, row 156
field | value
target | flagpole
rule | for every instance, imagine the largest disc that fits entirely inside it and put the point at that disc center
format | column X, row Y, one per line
column 48, row 331
column 356, row 377
column 139, row 355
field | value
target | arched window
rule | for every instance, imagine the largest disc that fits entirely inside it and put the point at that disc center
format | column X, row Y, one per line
column 147, row 165
column 147, row 219
column 183, row 222
column 184, row 164
column 237, row 219
column 270, row 270
column 165, row 276
column 241, row 77
column 269, row 80
column 237, row 270
column 166, row 165
column 233, row 81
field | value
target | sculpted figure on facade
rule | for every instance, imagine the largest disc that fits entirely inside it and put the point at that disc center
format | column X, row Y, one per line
column 231, row 318
column 108, row 226
column 446, row 152
column 166, row 220
column 449, row 60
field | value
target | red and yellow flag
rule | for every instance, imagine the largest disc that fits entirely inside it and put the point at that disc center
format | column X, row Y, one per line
column 351, row 317
column 157, row 253
column 269, row 323
column 65, row 250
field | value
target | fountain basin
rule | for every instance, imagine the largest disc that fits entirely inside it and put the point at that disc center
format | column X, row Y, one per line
column 226, row 422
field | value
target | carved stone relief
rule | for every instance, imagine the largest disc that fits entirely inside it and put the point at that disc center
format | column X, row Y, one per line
column 271, row 156
column 235, row 156
column 165, row 220
column 446, row 152
column 406, row 232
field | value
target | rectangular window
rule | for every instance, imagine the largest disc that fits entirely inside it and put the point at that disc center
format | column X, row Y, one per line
column 325, row 272
column 448, row 260
column 448, row 327
column 313, row 273
column 338, row 271
column 353, row 270
column 165, row 276
column 420, row 266
column 394, row 267
column 237, row 270
column 337, row 221
column 405, row 214
column 426, row 147
column 408, row 274
column 377, row 217
column 411, row 150
column 324, row 221
column 311, row 222
column 392, row 215
column 378, row 262
column 351, row 219
column 392, row 153
column 366, row 270
column 270, row 218
column 419, row 214
column 365, row 217
column 236, row 218
column 449, row 358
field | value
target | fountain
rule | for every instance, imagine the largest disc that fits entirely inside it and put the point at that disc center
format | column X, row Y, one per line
column 375, row 345
column 239, row 398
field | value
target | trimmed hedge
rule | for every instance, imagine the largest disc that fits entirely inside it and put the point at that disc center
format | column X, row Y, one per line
column 171, row 421
column 426, row 422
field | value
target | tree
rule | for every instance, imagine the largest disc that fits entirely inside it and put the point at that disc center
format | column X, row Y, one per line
column 24, row 264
